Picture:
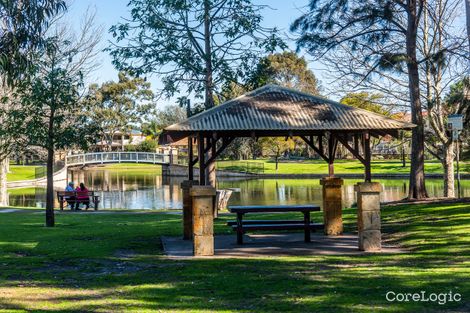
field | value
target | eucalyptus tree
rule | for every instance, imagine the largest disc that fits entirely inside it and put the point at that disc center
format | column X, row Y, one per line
column 119, row 106
column 376, row 43
column 467, row 13
column 196, row 44
column 193, row 45
column 22, row 27
column 286, row 69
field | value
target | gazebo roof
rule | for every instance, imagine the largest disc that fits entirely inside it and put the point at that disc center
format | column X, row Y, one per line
column 273, row 108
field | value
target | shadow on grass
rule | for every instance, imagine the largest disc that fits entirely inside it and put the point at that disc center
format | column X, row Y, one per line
column 103, row 263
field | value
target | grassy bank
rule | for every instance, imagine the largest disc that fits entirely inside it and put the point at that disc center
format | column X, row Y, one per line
column 341, row 167
column 113, row 262
column 22, row 172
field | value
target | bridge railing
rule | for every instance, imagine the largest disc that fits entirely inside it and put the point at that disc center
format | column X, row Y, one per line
column 118, row 157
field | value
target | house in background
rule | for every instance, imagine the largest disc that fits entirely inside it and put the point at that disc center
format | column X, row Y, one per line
column 181, row 146
column 120, row 141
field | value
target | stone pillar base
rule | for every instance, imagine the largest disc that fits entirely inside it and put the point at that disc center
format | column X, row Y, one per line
column 368, row 216
column 188, row 208
column 332, row 205
column 203, row 220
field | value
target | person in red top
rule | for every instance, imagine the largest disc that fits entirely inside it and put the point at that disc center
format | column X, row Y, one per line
column 82, row 196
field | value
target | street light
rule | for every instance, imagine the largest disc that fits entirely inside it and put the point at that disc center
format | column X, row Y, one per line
column 455, row 124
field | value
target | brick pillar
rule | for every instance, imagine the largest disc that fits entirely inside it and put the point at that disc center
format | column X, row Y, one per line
column 332, row 205
column 368, row 216
column 203, row 220
column 188, row 208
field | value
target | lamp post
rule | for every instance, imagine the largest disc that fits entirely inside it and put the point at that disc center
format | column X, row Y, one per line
column 455, row 123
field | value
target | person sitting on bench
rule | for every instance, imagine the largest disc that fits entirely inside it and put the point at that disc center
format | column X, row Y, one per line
column 82, row 196
column 70, row 199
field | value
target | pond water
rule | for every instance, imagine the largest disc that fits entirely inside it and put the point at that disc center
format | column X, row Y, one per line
column 146, row 189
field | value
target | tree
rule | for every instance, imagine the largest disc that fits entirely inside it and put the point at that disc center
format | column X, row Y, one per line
column 198, row 44
column 50, row 112
column 367, row 101
column 443, row 60
column 370, row 26
column 160, row 119
column 171, row 114
column 21, row 33
column 373, row 102
column 435, row 36
column 286, row 69
column 276, row 146
column 119, row 106
column 467, row 11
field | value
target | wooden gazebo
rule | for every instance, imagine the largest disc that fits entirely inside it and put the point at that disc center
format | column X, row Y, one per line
column 274, row 111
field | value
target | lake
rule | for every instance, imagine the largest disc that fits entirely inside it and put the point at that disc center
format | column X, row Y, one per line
column 146, row 189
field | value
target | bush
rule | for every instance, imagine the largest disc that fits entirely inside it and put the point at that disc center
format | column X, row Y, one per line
column 148, row 145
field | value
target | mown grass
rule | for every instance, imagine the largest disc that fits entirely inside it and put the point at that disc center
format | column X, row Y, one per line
column 341, row 167
column 114, row 262
column 22, row 172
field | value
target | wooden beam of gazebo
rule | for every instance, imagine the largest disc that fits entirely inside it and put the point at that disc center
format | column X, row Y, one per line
column 274, row 111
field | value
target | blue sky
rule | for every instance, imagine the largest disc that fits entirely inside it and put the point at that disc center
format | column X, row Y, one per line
column 109, row 12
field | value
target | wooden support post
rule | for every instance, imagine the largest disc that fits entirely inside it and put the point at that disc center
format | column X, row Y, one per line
column 190, row 159
column 203, row 220
column 202, row 159
column 211, row 164
column 367, row 157
column 320, row 143
column 332, row 143
column 356, row 144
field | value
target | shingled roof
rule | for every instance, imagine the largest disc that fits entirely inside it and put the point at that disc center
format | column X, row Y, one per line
column 275, row 108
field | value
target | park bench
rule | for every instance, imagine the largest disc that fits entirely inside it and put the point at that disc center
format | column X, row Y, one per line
column 72, row 198
column 241, row 226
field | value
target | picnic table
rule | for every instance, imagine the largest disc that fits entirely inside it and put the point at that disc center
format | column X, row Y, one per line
column 71, row 197
column 241, row 226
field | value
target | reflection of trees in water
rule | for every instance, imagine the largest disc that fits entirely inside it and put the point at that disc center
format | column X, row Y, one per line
column 151, row 191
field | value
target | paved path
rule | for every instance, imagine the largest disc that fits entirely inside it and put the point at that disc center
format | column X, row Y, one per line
column 273, row 245
column 40, row 211
column 10, row 210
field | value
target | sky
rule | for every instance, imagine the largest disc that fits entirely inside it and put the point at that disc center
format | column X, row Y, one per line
column 109, row 12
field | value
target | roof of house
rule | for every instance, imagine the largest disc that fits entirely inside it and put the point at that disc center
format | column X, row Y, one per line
column 276, row 108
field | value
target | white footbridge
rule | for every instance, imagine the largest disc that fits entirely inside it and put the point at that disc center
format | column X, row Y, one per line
column 75, row 160
column 118, row 157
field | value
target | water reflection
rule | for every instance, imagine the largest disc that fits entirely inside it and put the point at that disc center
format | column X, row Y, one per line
column 146, row 189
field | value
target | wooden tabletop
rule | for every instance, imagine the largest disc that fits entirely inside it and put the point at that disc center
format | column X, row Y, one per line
column 273, row 208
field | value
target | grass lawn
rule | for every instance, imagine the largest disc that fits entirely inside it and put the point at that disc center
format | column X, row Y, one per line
column 341, row 167
column 114, row 262
column 131, row 167
column 22, row 172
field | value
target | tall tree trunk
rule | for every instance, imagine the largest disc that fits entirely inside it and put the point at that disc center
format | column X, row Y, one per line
column 3, row 182
column 50, row 174
column 448, row 164
column 467, row 9
column 50, row 189
column 417, row 182
column 209, row 88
